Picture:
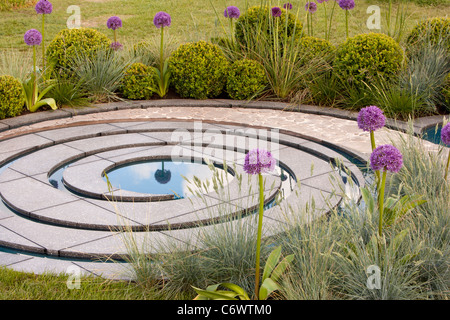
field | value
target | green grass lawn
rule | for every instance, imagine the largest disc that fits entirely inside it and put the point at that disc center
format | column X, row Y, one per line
column 191, row 20
column 16, row 285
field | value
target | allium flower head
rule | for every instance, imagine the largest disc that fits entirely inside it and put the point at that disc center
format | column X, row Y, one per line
column 347, row 4
column 445, row 134
column 259, row 161
column 114, row 23
column 311, row 7
column 116, row 46
column 276, row 12
column 32, row 37
column 232, row 12
column 371, row 118
column 386, row 157
column 43, row 7
column 287, row 6
column 162, row 19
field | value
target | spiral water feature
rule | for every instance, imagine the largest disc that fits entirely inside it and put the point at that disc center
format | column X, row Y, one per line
column 58, row 207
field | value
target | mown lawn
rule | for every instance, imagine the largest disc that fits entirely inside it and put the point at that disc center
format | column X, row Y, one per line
column 191, row 20
column 26, row 286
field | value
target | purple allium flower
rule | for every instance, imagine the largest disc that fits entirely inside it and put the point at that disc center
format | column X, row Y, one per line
column 445, row 134
column 43, row 7
column 386, row 157
column 259, row 161
column 321, row 1
column 347, row 4
column 32, row 37
column 114, row 23
column 116, row 46
column 287, row 6
column 371, row 118
column 232, row 12
column 162, row 19
column 311, row 7
column 276, row 12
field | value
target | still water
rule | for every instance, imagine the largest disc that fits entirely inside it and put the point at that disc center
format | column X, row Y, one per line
column 162, row 177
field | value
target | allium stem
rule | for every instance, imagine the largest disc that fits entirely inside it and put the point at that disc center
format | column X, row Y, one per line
column 372, row 142
column 326, row 18
column 446, row 170
column 346, row 23
column 258, row 240
column 389, row 18
column 43, row 41
column 161, row 53
column 331, row 19
column 381, row 203
column 33, row 94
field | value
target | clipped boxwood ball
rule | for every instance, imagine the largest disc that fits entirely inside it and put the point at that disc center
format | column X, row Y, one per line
column 312, row 48
column 69, row 43
column 432, row 30
column 365, row 57
column 260, row 18
column 11, row 97
column 198, row 70
column 136, row 83
column 246, row 79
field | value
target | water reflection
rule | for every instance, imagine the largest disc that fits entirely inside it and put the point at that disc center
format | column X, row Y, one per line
column 160, row 177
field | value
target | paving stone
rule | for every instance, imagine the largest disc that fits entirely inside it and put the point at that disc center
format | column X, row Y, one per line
column 45, row 160
column 46, row 238
column 9, row 174
column 23, row 143
column 28, row 195
column 11, row 237
column 81, row 214
column 7, row 259
column 3, row 126
column 41, row 265
column 35, row 118
column 106, row 143
column 67, row 134
column 117, row 245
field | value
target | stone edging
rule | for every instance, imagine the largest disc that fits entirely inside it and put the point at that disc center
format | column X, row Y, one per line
column 419, row 124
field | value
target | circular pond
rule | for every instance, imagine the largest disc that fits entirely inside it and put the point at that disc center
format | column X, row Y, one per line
column 163, row 176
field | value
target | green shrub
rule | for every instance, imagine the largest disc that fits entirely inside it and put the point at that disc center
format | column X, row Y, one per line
column 198, row 70
column 446, row 93
column 367, row 57
column 11, row 97
column 258, row 22
column 246, row 79
column 137, row 81
column 312, row 48
column 434, row 31
column 71, row 43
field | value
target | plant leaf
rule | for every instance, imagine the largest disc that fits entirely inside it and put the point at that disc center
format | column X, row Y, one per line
column 214, row 295
column 235, row 288
column 267, row 287
column 271, row 262
column 49, row 101
column 281, row 267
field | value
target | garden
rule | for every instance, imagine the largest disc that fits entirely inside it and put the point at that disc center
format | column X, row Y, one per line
column 388, row 60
